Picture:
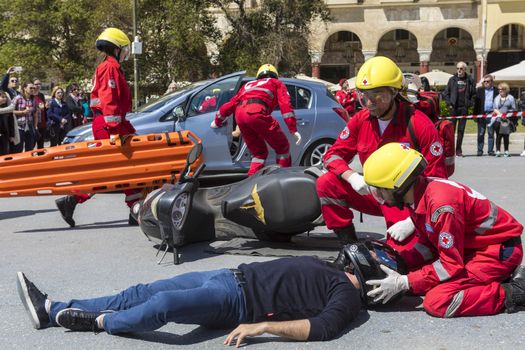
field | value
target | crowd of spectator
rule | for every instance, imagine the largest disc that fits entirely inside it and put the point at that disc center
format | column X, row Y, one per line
column 461, row 98
column 28, row 119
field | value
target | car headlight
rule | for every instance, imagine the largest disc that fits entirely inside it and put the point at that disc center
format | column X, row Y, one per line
column 178, row 210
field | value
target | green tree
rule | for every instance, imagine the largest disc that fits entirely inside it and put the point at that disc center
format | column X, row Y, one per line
column 175, row 34
column 274, row 32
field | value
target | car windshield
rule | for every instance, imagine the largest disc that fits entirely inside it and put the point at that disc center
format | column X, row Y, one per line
column 156, row 103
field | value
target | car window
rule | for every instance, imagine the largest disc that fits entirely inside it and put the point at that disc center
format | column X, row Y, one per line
column 299, row 96
column 213, row 97
column 156, row 103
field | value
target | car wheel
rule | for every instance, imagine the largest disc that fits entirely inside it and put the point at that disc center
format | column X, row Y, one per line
column 314, row 155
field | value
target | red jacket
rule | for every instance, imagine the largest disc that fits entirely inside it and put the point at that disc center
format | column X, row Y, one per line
column 111, row 98
column 361, row 136
column 347, row 100
column 270, row 90
column 454, row 221
column 208, row 104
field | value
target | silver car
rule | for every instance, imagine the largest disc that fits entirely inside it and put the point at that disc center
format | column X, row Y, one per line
column 320, row 119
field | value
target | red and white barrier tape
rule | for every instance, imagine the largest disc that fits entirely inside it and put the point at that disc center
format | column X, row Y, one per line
column 481, row 116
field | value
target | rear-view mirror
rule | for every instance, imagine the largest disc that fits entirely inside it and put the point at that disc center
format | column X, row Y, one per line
column 178, row 113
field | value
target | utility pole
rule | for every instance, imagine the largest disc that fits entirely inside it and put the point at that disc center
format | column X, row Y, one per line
column 136, row 49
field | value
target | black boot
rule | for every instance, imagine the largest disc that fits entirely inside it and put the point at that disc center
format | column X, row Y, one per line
column 515, row 290
column 347, row 235
column 67, row 205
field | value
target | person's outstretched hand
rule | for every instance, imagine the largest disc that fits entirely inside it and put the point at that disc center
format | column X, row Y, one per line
column 242, row 331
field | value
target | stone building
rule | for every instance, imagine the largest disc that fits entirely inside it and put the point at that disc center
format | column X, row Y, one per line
column 420, row 35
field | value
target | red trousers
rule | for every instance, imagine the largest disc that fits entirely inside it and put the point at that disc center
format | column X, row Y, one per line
column 338, row 197
column 478, row 290
column 257, row 128
column 101, row 133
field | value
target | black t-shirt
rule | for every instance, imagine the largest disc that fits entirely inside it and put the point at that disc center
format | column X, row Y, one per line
column 301, row 288
column 462, row 87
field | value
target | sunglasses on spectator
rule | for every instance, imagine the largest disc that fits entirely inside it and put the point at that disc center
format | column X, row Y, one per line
column 460, row 68
column 487, row 81
column 14, row 81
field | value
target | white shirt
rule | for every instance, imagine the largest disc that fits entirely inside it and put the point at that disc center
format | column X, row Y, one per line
column 382, row 125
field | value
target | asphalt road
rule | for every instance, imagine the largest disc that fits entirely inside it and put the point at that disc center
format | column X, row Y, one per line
column 102, row 255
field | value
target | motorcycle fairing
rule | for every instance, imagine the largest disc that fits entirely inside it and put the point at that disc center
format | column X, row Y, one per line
column 284, row 200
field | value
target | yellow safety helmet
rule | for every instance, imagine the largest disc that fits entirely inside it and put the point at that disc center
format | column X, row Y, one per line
column 267, row 70
column 114, row 36
column 377, row 72
column 394, row 166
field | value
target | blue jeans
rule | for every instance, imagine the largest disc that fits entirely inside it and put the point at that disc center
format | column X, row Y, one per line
column 482, row 126
column 212, row 298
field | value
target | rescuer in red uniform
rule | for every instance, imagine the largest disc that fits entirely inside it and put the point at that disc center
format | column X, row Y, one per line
column 346, row 97
column 383, row 119
column 468, row 245
column 253, row 106
column 110, row 101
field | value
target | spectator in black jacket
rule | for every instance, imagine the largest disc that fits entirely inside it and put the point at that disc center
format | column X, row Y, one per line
column 7, row 125
column 301, row 298
column 459, row 96
column 484, row 104
column 58, row 117
column 41, row 113
column 74, row 103
column 10, row 83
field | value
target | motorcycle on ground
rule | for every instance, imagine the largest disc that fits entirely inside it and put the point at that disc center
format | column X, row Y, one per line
column 273, row 205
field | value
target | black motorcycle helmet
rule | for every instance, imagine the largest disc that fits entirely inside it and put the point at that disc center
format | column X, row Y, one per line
column 363, row 259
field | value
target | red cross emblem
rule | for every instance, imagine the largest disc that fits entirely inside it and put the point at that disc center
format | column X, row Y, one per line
column 446, row 240
column 436, row 149
column 405, row 146
column 365, row 80
column 344, row 134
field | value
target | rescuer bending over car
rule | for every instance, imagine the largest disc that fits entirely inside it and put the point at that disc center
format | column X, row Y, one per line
column 468, row 246
column 253, row 106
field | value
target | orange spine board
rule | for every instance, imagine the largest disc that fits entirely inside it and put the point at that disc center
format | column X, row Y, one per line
column 97, row 166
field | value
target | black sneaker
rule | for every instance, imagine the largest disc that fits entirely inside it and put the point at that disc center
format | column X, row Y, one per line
column 67, row 205
column 515, row 290
column 347, row 235
column 34, row 301
column 78, row 320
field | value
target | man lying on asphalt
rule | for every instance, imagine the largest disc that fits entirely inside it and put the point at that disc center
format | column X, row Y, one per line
column 301, row 298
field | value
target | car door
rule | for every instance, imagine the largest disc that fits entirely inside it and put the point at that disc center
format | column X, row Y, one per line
column 199, row 113
column 303, row 103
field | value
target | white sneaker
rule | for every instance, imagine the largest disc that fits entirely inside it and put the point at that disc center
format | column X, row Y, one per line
column 507, row 154
column 522, row 153
column 498, row 154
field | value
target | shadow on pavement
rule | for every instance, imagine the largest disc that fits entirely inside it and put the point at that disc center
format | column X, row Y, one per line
column 20, row 213
column 405, row 304
column 95, row 225
column 198, row 335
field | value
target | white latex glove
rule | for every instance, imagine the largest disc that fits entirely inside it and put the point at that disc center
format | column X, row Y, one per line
column 401, row 229
column 358, row 184
column 213, row 125
column 389, row 286
column 297, row 137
